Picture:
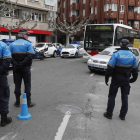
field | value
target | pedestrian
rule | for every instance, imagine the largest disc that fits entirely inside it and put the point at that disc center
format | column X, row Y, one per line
column 22, row 55
column 120, row 67
column 5, row 59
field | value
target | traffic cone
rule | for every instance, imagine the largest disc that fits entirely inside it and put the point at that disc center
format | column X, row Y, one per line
column 24, row 110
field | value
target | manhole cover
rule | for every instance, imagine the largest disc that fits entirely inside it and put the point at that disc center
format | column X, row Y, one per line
column 72, row 108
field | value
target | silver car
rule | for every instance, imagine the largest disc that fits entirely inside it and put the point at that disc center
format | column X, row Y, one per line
column 99, row 61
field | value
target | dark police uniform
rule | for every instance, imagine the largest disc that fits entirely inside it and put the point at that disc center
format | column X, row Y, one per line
column 121, row 65
column 5, row 59
column 22, row 55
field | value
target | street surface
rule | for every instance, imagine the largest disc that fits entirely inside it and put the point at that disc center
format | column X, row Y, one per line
column 64, row 83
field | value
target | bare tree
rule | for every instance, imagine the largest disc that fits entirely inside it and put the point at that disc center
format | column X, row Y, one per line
column 6, row 7
column 69, row 29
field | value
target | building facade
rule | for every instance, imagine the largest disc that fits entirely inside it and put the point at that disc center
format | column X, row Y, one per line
column 39, row 10
column 102, row 11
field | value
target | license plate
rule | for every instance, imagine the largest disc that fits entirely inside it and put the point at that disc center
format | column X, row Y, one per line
column 94, row 65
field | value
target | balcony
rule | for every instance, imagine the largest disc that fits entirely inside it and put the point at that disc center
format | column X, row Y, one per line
column 131, row 16
column 121, row 16
column 75, row 6
column 107, row 1
column 110, row 14
column 137, row 3
column 136, row 16
column 131, row 2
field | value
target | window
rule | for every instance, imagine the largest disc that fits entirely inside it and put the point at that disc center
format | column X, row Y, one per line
column 136, row 24
column 64, row 4
column 84, row 1
column 34, row 0
column 131, row 9
column 121, row 21
column 73, row 1
column 73, row 13
column 121, row 8
column 84, row 12
column 129, row 23
column 106, row 7
column 113, row 7
column 91, row 10
column 134, row 51
column 96, row 10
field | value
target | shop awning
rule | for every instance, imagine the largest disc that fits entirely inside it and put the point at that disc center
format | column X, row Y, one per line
column 32, row 31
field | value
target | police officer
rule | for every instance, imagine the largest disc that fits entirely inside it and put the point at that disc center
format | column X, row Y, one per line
column 5, row 59
column 121, row 65
column 22, row 55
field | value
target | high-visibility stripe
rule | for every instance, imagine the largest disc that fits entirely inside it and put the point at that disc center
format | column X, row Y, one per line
column 24, row 101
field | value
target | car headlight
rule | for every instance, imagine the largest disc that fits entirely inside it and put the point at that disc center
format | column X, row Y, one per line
column 90, row 60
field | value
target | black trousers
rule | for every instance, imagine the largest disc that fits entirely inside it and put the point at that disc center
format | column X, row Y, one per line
column 4, row 95
column 123, row 83
column 25, row 74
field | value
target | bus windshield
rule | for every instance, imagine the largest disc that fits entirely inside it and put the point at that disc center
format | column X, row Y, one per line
column 98, row 37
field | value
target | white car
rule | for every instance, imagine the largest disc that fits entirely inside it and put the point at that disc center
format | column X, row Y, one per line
column 99, row 61
column 48, row 48
column 72, row 50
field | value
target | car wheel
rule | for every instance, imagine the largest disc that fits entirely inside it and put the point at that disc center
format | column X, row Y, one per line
column 76, row 55
column 139, row 66
column 54, row 54
column 62, row 57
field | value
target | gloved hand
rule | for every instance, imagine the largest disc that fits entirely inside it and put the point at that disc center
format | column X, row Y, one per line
column 132, row 80
column 106, row 80
column 17, row 64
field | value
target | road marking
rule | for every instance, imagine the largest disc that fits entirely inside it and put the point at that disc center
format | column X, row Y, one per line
column 92, row 74
column 9, row 136
column 63, row 126
column 73, row 60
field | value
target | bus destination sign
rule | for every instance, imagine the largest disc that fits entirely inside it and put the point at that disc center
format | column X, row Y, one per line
column 100, row 28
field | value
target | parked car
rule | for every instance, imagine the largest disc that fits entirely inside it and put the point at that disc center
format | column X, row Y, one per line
column 47, row 48
column 72, row 50
column 99, row 61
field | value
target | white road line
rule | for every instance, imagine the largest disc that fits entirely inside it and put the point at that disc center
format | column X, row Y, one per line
column 92, row 74
column 63, row 126
column 73, row 60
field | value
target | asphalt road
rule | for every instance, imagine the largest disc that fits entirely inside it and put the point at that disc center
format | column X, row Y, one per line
column 70, row 102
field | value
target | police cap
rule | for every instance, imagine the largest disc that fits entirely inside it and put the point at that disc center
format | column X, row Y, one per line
column 125, row 42
column 23, row 31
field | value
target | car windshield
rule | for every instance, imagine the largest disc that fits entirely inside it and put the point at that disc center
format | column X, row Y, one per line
column 39, row 45
column 69, row 46
column 108, row 51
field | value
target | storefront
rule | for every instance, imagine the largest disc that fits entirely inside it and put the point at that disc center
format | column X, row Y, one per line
column 35, row 35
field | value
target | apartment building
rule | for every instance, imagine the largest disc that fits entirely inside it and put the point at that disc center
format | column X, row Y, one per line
column 39, row 10
column 102, row 11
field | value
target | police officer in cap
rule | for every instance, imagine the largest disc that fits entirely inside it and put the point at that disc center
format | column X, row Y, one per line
column 5, row 59
column 120, row 67
column 22, row 55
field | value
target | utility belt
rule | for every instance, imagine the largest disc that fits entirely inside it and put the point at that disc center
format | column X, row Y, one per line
column 126, row 75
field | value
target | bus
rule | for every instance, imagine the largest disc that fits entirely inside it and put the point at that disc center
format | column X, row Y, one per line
column 97, row 37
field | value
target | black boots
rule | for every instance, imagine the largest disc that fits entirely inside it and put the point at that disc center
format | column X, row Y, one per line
column 17, row 102
column 29, row 103
column 5, row 120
